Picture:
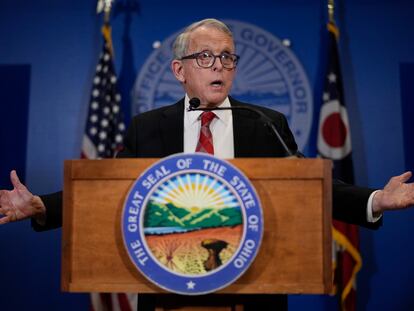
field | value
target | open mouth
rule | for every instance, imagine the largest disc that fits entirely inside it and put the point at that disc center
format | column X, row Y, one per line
column 217, row 83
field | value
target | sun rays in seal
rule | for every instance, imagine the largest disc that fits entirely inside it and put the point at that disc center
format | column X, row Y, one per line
column 195, row 191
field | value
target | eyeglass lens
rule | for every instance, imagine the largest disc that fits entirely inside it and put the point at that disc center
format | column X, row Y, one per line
column 206, row 59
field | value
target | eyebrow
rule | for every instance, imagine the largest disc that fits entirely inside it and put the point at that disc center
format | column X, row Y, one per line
column 225, row 50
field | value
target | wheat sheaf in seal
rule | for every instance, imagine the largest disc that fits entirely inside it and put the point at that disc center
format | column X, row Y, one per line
column 192, row 223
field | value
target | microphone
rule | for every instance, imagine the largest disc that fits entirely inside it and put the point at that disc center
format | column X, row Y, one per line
column 195, row 103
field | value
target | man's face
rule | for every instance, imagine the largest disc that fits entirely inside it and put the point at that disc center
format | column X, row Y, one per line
column 210, row 85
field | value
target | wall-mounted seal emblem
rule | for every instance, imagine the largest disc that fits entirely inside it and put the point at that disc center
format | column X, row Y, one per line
column 192, row 223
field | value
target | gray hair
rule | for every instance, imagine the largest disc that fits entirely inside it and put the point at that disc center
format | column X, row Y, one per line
column 182, row 42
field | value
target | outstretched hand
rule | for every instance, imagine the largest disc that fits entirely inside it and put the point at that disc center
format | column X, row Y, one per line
column 397, row 194
column 20, row 203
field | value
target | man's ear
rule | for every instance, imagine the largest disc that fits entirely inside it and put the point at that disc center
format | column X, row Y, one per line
column 178, row 70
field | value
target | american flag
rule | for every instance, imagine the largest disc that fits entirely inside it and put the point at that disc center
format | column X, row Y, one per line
column 103, row 137
column 334, row 142
column 105, row 127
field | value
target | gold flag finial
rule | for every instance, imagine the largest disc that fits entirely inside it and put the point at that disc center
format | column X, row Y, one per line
column 331, row 11
column 105, row 6
column 331, row 22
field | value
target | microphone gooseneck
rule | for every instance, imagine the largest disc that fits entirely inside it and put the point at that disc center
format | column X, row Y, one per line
column 195, row 103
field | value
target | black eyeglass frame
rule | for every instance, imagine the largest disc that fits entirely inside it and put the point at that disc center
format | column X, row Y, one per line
column 219, row 56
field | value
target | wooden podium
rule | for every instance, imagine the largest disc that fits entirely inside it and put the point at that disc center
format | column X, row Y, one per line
column 295, row 255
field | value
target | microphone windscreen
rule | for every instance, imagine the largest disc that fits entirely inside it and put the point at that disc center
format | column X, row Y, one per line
column 194, row 102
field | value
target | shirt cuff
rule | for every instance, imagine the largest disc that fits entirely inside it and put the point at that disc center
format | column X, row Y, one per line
column 370, row 216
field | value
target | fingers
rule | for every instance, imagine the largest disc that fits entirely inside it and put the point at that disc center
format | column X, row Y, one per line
column 404, row 177
column 400, row 178
column 15, row 179
column 3, row 201
column 6, row 216
column 4, row 220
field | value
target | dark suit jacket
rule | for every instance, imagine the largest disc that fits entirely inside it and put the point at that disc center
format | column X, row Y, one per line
column 160, row 132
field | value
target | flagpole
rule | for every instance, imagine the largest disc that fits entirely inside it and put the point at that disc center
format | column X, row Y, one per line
column 331, row 25
column 106, row 6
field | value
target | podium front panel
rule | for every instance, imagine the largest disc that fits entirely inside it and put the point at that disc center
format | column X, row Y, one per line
column 294, row 257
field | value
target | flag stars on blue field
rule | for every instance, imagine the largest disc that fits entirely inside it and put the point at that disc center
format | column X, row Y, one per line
column 104, row 123
column 94, row 118
column 118, row 138
column 105, row 127
column 332, row 77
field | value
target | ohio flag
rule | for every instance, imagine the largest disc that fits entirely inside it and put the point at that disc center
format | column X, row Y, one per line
column 334, row 142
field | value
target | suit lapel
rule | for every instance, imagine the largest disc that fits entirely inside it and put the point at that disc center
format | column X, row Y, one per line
column 172, row 128
column 244, row 128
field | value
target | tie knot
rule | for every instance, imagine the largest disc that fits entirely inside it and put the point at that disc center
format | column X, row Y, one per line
column 207, row 117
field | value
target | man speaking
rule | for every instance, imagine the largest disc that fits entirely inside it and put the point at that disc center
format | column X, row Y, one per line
column 205, row 64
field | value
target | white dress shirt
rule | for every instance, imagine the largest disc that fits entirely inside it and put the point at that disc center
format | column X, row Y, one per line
column 221, row 128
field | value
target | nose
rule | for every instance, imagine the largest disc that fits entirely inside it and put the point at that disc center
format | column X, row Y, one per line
column 217, row 65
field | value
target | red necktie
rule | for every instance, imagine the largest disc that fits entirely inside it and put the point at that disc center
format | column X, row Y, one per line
column 205, row 142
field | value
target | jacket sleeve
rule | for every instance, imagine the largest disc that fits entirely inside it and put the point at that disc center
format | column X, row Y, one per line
column 53, row 203
column 349, row 204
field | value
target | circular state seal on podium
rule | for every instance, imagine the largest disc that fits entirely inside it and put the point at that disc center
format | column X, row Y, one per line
column 192, row 223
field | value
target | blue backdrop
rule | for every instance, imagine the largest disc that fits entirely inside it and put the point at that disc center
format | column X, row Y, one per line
column 60, row 41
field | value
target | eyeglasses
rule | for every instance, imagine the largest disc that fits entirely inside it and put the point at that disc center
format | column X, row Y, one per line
column 206, row 59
